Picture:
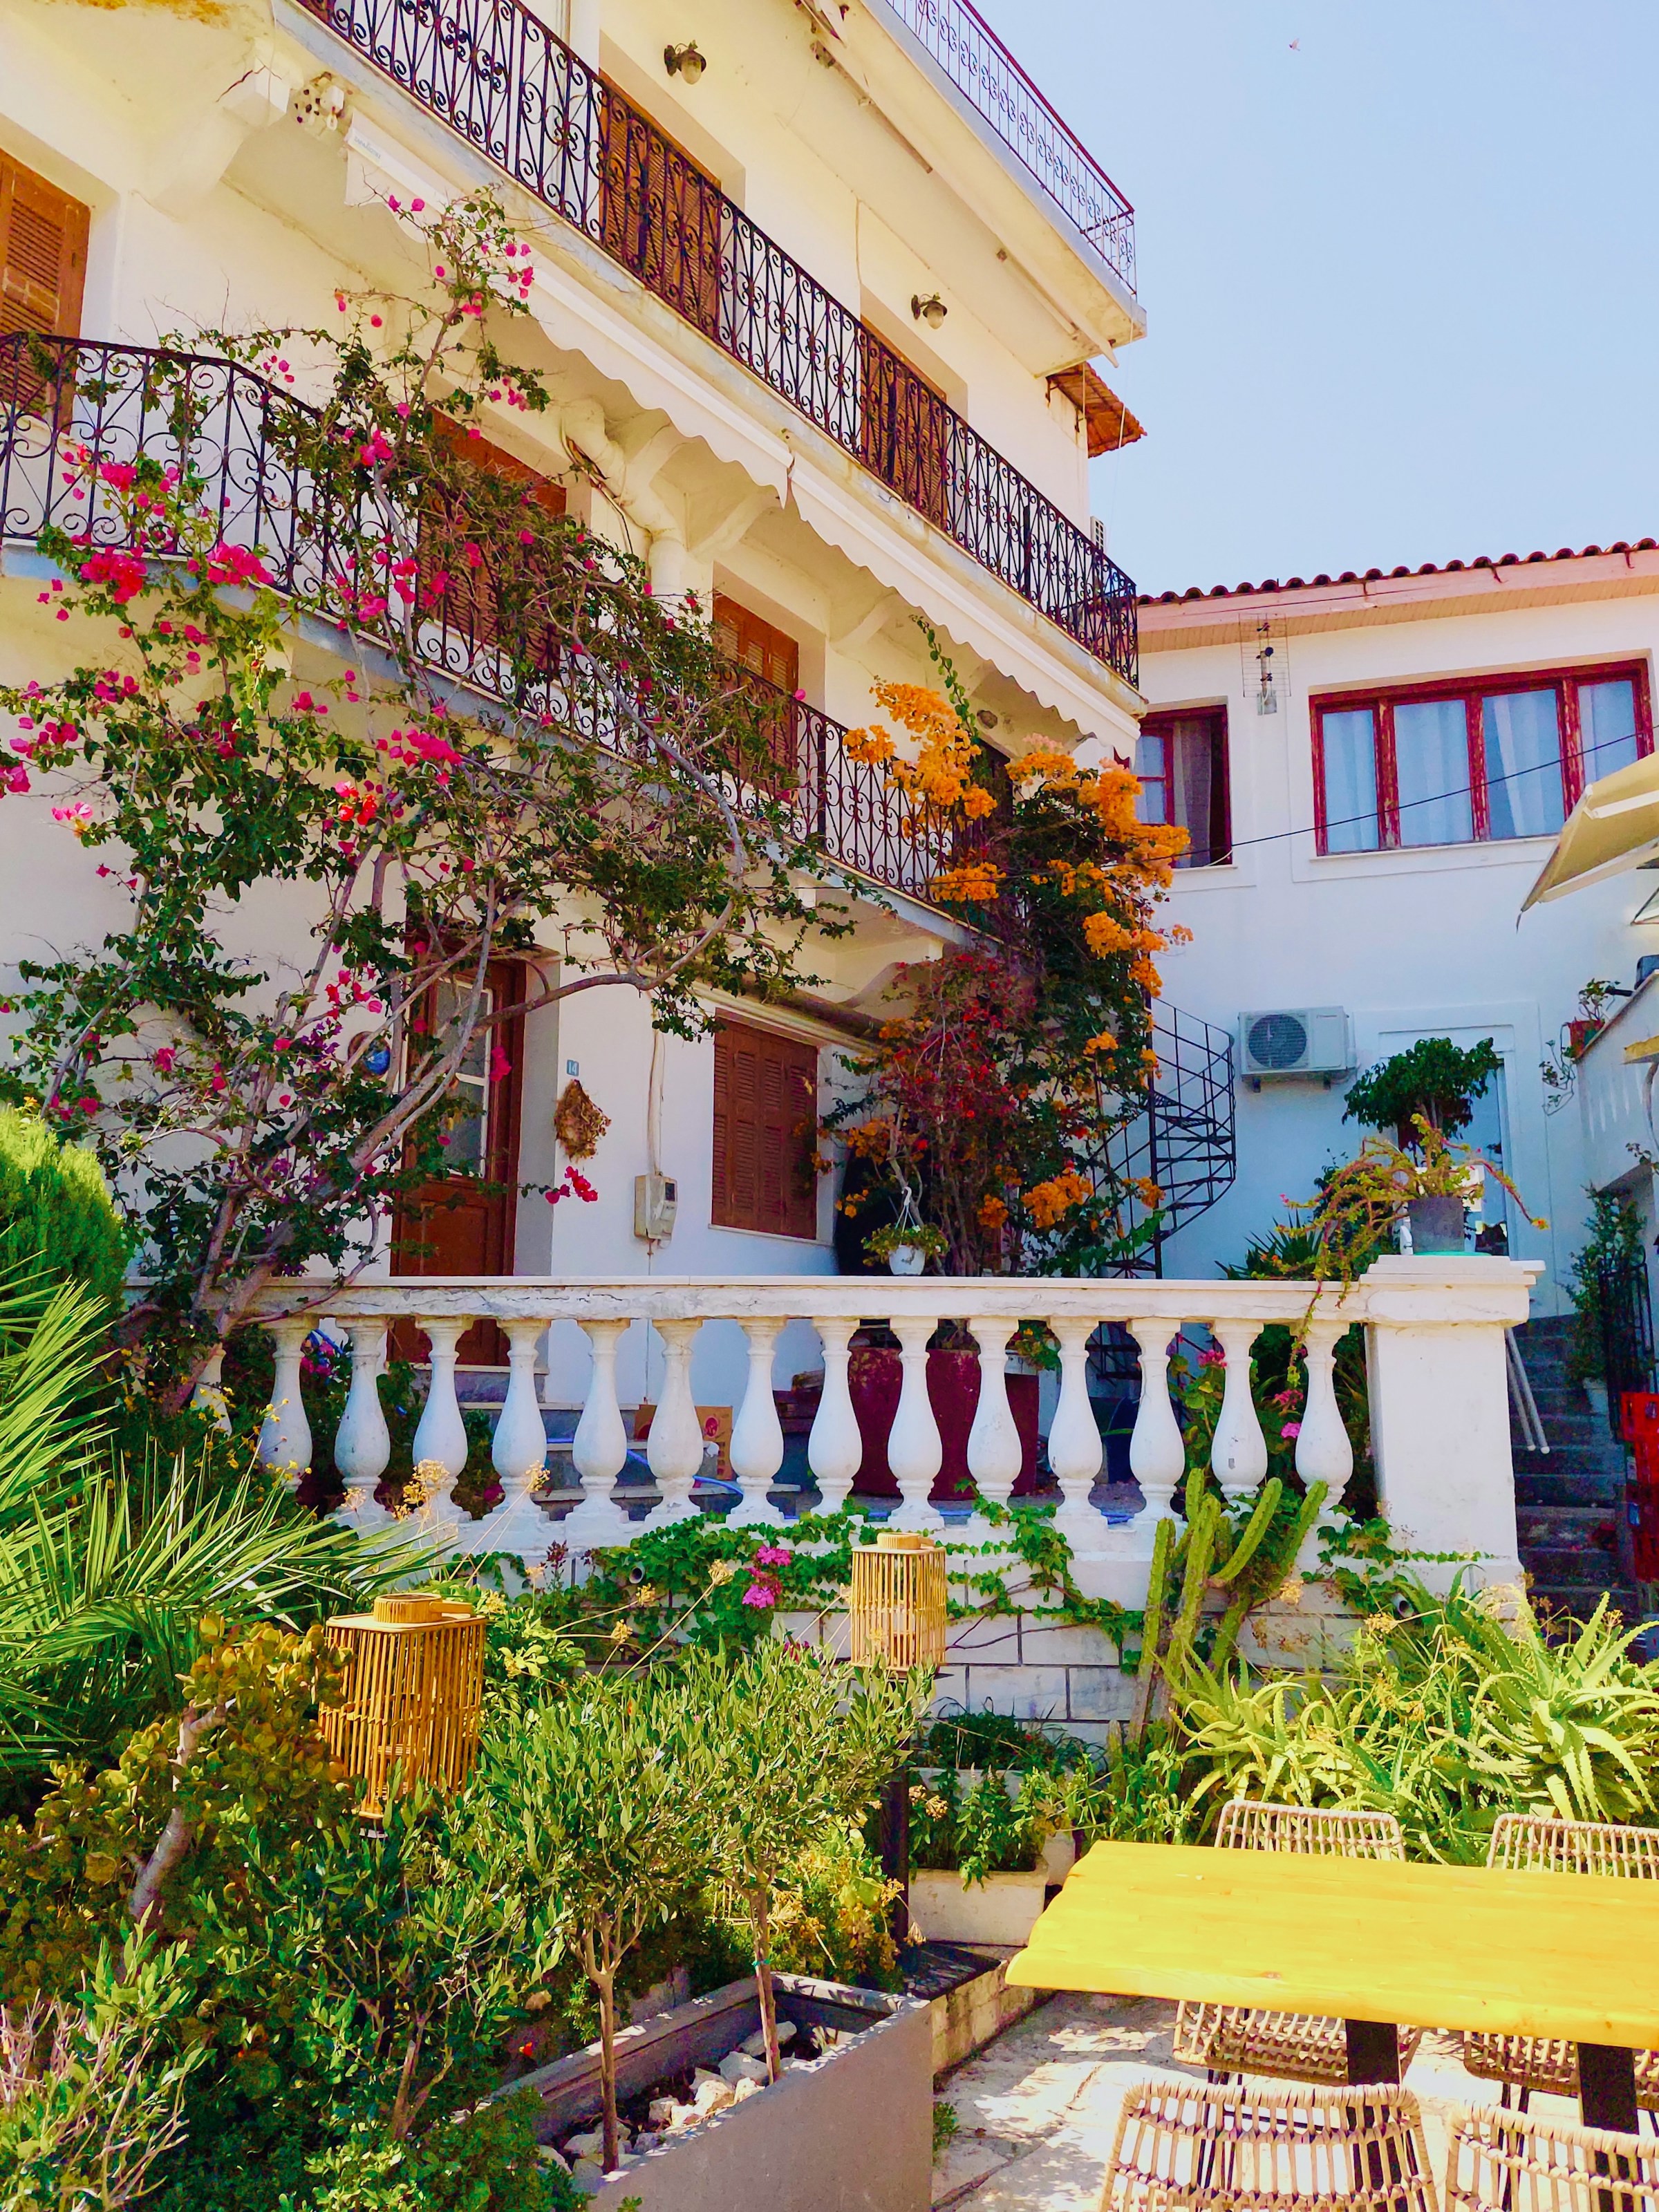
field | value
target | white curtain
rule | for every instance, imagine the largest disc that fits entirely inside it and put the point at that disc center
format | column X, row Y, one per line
column 1349, row 745
column 1522, row 741
column 1607, row 726
column 1431, row 768
column 1192, row 746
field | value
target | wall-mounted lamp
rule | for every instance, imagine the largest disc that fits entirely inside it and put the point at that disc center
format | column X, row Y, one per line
column 931, row 310
column 987, row 719
column 685, row 62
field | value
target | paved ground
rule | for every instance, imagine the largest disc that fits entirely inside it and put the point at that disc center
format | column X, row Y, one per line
column 1037, row 2109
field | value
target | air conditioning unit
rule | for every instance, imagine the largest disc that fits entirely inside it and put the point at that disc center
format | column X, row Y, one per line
column 1294, row 1041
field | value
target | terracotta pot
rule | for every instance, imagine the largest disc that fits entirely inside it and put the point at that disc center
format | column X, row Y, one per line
column 874, row 1378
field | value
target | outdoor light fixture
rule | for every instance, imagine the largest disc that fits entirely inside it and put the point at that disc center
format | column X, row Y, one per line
column 413, row 1696
column 898, row 1611
column 931, row 310
column 685, row 62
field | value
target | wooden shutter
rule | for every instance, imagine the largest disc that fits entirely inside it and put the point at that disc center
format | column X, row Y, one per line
column 765, row 1132
column 754, row 644
column 43, row 238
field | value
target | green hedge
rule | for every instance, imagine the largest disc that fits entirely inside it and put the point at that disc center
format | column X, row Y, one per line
column 56, row 1211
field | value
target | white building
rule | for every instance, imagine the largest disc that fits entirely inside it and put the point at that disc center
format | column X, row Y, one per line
column 1374, row 767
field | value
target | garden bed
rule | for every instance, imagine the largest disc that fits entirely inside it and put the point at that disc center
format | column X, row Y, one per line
column 848, row 2127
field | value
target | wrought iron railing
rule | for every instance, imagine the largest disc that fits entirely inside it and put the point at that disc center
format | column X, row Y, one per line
column 236, row 436
column 1183, row 1141
column 978, row 63
column 502, row 80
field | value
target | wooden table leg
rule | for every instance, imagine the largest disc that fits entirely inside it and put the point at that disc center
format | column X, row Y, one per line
column 1606, row 2087
column 1373, row 2050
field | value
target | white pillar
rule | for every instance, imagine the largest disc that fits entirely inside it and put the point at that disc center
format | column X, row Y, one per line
column 1323, row 1452
column 915, row 1451
column 518, row 1455
column 1158, row 1451
column 1440, row 1407
column 674, row 1447
column 599, row 1449
column 209, row 1396
column 835, row 1450
column 994, row 1452
column 1075, row 1449
column 441, row 1435
column 362, row 1442
column 1238, row 1454
column 285, row 1433
column 758, row 1433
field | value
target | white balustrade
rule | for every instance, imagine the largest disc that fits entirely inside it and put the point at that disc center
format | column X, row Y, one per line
column 1324, row 1452
column 209, row 1396
column 285, row 1433
column 1438, row 1395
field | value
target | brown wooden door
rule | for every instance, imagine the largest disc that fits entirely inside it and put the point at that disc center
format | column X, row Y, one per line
column 43, row 271
column 462, row 1223
column 904, row 428
column 766, row 1093
column 660, row 213
column 758, row 646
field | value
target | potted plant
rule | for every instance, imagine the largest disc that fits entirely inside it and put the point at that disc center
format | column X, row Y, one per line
column 1384, row 1185
column 984, row 1851
column 1433, row 1080
column 906, row 1246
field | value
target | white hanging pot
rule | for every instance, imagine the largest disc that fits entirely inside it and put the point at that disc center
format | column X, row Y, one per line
column 907, row 1260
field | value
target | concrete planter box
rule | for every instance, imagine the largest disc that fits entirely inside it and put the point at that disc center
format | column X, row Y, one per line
column 1002, row 1909
column 851, row 2132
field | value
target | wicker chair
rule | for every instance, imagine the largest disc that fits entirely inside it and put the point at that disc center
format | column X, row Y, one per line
column 1500, row 2161
column 1526, row 2062
column 1296, row 2046
column 1182, row 2144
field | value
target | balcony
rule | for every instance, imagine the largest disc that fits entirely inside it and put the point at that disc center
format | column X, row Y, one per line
column 1439, row 1403
column 968, row 51
column 234, row 430
column 515, row 93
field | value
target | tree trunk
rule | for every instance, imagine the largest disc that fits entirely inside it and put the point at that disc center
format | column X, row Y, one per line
column 760, row 1909
column 607, row 1982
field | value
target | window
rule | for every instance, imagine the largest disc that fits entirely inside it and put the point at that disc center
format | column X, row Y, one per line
column 766, row 1110
column 1463, row 763
column 43, row 268
column 449, row 522
column 1182, row 763
column 754, row 644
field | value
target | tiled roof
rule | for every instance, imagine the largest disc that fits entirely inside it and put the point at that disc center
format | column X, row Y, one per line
column 1375, row 575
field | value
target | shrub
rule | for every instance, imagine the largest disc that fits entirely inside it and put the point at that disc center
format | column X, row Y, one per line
column 55, row 1212
column 1434, row 1078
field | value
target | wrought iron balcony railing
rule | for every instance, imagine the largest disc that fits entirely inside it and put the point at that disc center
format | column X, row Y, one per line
column 235, row 435
column 502, row 81
column 980, row 66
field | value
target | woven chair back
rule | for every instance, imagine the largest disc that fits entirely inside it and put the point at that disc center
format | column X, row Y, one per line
column 1251, row 1824
column 1499, row 2162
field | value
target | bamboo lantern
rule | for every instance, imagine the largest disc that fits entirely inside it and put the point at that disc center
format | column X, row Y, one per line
column 897, row 1602
column 413, row 1694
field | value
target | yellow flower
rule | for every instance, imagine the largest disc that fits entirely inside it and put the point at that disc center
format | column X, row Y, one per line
column 620, row 1632
column 720, row 1571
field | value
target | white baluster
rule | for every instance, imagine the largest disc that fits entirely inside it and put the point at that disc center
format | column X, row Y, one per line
column 674, row 1448
column 1238, row 1456
column 914, row 1452
column 1158, row 1452
column 993, row 1447
column 285, row 1433
column 1075, row 1449
column 518, row 1453
column 599, row 1450
column 442, row 1434
column 362, row 1442
column 835, row 1450
column 209, row 1396
column 758, row 1434
column 1323, row 1452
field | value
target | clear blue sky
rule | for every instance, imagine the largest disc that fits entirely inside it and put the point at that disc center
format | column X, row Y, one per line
column 1402, row 281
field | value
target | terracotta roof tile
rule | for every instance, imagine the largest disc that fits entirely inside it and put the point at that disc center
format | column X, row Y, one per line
column 1375, row 575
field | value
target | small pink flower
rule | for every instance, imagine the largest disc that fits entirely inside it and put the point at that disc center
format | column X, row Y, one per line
column 1292, row 1429
column 773, row 1555
column 760, row 1595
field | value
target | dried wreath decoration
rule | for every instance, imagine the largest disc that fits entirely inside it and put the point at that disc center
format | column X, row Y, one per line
column 578, row 1123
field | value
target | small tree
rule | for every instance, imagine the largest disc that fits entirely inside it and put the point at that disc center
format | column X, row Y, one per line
column 788, row 1743
column 601, row 1790
column 1433, row 1078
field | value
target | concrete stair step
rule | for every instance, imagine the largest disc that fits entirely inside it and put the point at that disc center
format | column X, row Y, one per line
column 1567, row 1524
column 1580, row 1599
column 1575, row 1567
column 1570, row 1489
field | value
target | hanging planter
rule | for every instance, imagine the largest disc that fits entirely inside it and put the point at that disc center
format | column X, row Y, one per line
column 906, row 1246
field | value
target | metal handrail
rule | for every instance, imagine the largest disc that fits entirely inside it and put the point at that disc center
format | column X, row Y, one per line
column 516, row 94
column 1183, row 1140
column 977, row 63
column 239, row 435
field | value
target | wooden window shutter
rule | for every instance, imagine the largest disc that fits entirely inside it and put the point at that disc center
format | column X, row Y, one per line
column 43, row 254
column 765, row 1132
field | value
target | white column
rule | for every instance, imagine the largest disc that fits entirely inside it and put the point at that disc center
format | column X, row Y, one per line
column 1238, row 1456
column 1158, row 1451
column 518, row 1453
column 914, row 1452
column 362, row 1442
column 674, row 1448
column 835, row 1450
column 441, row 1435
column 209, row 1396
column 758, row 1433
column 599, row 1449
column 1324, row 1453
column 285, row 1433
column 1075, row 1449
column 994, row 1452
column 1440, row 1411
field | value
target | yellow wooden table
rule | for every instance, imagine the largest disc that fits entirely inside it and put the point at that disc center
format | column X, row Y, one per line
column 1372, row 1942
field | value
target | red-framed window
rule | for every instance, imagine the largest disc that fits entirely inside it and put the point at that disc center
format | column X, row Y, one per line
column 1471, row 761
column 1182, row 763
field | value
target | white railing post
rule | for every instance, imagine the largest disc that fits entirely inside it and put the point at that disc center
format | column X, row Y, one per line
column 1076, row 1452
column 285, row 1433
column 440, row 1435
column 994, row 1451
column 1323, row 1452
column 674, row 1448
column 599, row 1450
column 518, row 1453
column 1440, row 1410
column 914, row 1450
column 362, row 1442
column 758, row 1433
column 209, row 1396
column 1238, row 1454
column 835, row 1450
column 1158, row 1450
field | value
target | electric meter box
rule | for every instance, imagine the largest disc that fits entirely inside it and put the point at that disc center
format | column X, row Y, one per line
column 655, row 1201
